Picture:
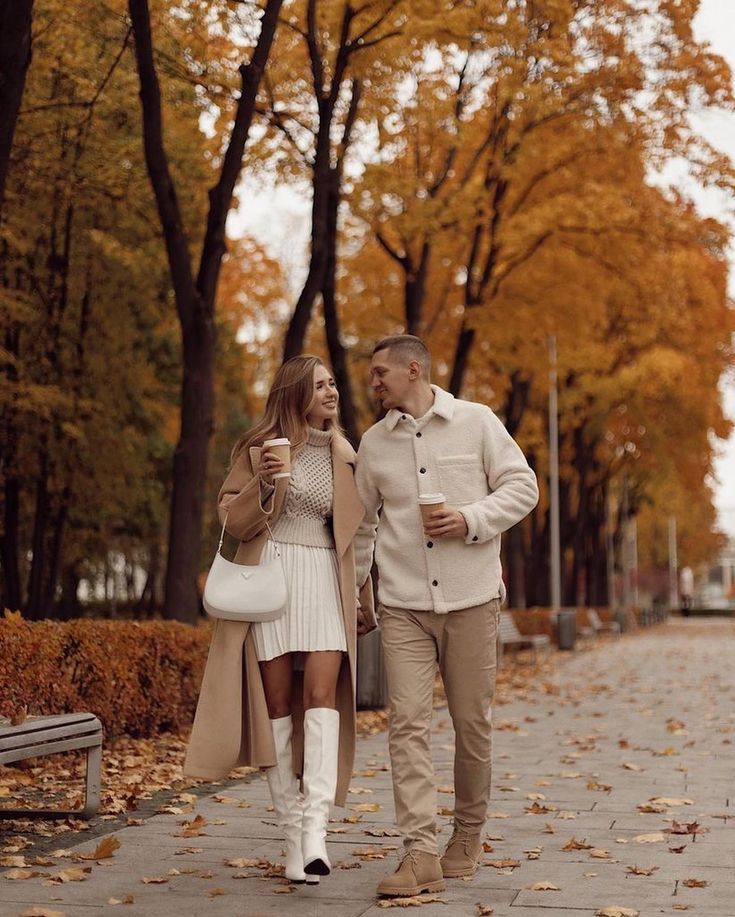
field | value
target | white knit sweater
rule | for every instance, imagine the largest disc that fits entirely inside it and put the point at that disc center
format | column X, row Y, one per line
column 308, row 505
column 461, row 449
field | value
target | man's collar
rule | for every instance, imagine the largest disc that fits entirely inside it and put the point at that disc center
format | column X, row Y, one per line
column 443, row 406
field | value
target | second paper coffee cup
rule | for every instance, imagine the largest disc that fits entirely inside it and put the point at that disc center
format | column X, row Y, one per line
column 282, row 448
column 428, row 503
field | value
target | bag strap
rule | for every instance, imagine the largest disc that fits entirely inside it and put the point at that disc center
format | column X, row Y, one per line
column 270, row 532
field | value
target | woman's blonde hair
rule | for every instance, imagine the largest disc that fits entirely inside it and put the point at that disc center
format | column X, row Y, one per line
column 288, row 403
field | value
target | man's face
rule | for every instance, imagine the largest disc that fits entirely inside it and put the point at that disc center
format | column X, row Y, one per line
column 390, row 381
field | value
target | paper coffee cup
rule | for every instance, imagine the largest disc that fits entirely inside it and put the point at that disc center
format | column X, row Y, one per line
column 282, row 448
column 428, row 503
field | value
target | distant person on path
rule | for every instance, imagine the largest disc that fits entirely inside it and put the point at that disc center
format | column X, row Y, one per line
column 257, row 705
column 686, row 590
column 440, row 590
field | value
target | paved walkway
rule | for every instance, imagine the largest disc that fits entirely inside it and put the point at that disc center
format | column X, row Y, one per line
column 646, row 717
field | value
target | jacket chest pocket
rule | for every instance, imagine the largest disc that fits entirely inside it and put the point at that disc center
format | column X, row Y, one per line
column 462, row 478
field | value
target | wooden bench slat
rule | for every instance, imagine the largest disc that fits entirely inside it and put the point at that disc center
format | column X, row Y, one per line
column 49, row 748
column 10, row 739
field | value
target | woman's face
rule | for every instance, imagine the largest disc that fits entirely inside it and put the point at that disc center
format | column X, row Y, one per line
column 324, row 403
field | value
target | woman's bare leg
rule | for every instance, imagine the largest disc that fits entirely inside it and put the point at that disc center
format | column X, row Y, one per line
column 320, row 679
column 277, row 675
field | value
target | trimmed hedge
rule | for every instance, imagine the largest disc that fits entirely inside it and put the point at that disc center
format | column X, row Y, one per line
column 138, row 678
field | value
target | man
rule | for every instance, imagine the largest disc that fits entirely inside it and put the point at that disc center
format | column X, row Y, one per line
column 440, row 590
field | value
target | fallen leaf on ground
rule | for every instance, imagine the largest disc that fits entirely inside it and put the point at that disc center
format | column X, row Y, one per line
column 655, row 808
column 631, row 767
column 601, row 787
column 22, row 874
column 641, row 870
column 616, row 911
column 415, row 901
column 154, row 880
column 540, row 809
column 215, row 892
column 678, row 849
column 503, row 864
column 128, row 899
column 106, row 848
column 382, row 832
column 574, row 844
column 695, row 883
column 17, row 862
column 247, row 863
column 544, row 887
column 691, row 827
column 533, row 853
column 284, row 889
column 671, row 801
column 366, row 807
column 549, row 829
column 484, row 910
column 649, row 838
column 567, row 815
column 74, row 874
column 599, row 854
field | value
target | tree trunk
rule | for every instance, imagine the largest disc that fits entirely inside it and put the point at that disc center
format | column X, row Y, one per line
column 34, row 609
column 461, row 355
column 293, row 343
column 337, row 351
column 9, row 546
column 16, row 18
column 195, row 300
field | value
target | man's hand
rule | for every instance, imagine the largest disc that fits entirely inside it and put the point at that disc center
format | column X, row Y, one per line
column 362, row 625
column 447, row 522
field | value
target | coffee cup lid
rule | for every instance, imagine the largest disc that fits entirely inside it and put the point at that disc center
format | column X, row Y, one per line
column 431, row 498
column 280, row 441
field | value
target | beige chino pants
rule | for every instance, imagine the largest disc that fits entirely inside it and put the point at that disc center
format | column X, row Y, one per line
column 462, row 644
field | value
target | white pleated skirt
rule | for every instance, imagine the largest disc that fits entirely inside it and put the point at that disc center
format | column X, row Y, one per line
column 313, row 618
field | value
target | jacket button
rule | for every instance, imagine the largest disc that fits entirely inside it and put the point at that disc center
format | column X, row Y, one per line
column 435, row 582
column 474, row 537
column 422, row 470
column 418, row 435
column 429, row 544
column 403, row 416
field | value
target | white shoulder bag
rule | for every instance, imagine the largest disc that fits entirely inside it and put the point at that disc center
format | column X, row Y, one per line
column 241, row 592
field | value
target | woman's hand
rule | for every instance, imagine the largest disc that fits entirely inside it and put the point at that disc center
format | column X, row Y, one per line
column 270, row 464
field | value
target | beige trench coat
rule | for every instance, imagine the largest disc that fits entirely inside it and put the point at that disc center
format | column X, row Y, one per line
column 231, row 726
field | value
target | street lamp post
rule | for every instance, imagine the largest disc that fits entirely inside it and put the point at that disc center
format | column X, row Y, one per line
column 554, row 559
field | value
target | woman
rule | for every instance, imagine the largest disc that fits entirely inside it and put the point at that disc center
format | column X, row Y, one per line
column 259, row 705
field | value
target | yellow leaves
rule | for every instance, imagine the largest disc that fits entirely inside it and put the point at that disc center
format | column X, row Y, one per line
column 366, row 807
column 574, row 844
column 413, row 901
column 695, row 883
column 154, row 880
column 39, row 911
column 641, row 871
column 73, row 874
column 601, row 787
column 503, row 864
column 537, row 808
column 106, row 848
column 128, row 899
column 616, row 911
column 543, row 887
column 484, row 910
column 655, row 838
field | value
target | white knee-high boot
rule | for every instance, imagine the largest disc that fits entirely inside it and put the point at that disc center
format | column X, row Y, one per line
column 287, row 800
column 321, row 746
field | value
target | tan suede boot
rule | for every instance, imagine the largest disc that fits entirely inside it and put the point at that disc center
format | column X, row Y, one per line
column 462, row 854
column 418, row 872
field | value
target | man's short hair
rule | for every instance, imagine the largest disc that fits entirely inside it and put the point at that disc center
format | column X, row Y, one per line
column 405, row 348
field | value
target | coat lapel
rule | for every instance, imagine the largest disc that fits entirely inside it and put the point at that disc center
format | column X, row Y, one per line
column 348, row 511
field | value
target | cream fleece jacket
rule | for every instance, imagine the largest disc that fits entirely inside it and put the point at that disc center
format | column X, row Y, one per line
column 461, row 449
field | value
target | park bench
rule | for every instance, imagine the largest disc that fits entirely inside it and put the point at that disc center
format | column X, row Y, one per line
column 509, row 635
column 599, row 626
column 48, row 735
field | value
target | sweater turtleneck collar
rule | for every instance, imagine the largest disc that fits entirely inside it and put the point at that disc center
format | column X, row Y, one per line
column 319, row 437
